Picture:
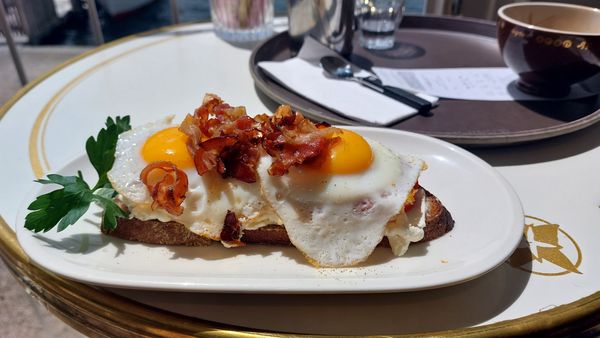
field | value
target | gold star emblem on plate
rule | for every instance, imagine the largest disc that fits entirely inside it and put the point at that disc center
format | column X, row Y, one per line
column 546, row 250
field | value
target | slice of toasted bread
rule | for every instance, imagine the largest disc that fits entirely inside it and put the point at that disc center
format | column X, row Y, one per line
column 156, row 232
column 438, row 222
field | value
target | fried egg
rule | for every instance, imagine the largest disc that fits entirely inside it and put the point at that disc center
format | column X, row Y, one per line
column 208, row 198
column 338, row 212
column 335, row 211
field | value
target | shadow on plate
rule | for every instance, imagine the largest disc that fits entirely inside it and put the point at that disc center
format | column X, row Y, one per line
column 83, row 243
column 217, row 252
column 471, row 303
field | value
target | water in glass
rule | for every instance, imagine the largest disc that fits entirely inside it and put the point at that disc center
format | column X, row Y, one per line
column 378, row 20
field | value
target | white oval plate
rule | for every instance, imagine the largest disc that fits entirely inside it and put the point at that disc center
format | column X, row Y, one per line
column 489, row 224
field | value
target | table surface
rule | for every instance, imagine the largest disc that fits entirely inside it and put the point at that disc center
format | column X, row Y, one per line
column 167, row 72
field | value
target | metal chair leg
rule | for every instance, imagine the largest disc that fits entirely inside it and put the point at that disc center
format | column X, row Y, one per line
column 174, row 12
column 95, row 22
column 11, row 45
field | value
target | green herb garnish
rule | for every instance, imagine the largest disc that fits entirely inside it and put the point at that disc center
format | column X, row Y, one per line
column 65, row 206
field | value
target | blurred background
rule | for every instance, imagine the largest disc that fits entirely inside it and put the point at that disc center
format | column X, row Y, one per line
column 49, row 32
column 67, row 22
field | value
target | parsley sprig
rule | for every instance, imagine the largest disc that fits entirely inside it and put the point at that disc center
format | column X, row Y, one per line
column 63, row 207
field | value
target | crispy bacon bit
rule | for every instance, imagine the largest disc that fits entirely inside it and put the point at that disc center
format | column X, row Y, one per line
column 207, row 156
column 224, row 138
column 291, row 140
column 240, row 161
column 167, row 185
column 322, row 125
column 232, row 230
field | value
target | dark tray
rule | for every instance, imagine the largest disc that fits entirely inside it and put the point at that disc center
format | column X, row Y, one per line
column 439, row 42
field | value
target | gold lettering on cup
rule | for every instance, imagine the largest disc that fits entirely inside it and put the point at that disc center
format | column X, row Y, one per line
column 568, row 43
column 517, row 33
column 582, row 45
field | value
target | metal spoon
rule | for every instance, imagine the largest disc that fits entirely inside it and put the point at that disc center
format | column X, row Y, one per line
column 339, row 68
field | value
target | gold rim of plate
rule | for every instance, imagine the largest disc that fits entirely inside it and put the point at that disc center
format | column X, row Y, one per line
column 97, row 312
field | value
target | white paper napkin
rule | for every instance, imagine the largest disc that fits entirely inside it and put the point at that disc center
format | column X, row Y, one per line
column 304, row 76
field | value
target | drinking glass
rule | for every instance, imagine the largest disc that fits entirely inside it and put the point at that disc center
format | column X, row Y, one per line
column 377, row 22
column 242, row 20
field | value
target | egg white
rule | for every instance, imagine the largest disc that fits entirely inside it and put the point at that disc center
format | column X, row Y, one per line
column 338, row 220
column 407, row 227
column 207, row 201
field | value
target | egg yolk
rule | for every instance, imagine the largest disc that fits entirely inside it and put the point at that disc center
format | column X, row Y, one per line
column 350, row 155
column 168, row 145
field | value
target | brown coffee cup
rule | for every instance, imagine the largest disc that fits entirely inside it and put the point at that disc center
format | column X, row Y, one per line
column 550, row 45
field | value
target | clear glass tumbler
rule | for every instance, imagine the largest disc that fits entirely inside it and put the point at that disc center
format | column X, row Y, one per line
column 377, row 22
column 242, row 20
